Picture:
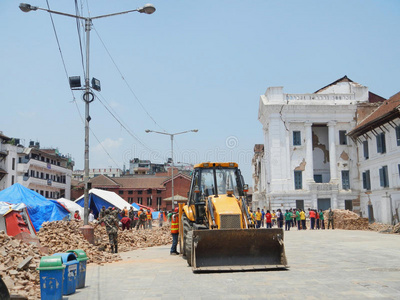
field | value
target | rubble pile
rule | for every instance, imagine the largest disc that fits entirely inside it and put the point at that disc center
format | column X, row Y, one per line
column 379, row 227
column 61, row 236
column 396, row 228
column 348, row 220
column 132, row 239
column 19, row 260
column 18, row 263
column 385, row 228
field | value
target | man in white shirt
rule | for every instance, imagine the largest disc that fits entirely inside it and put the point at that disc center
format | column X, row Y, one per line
column 91, row 216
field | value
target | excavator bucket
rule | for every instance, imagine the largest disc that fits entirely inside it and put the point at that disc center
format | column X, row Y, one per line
column 238, row 249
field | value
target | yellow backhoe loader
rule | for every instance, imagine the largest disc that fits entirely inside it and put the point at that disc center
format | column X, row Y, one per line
column 216, row 229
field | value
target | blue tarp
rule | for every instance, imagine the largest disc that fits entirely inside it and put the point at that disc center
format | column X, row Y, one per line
column 136, row 206
column 95, row 204
column 40, row 209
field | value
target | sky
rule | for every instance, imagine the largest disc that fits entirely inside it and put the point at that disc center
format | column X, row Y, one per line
column 190, row 65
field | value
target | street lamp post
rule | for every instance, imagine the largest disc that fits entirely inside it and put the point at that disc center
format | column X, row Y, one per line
column 88, row 95
column 172, row 154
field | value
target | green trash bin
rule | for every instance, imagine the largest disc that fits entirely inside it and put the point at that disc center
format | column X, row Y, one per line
column 82, row 258
column 51, row 277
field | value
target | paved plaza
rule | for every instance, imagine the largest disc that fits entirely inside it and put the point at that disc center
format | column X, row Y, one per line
column 334, row 264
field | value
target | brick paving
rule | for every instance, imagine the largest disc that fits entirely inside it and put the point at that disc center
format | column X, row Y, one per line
column 334, row 264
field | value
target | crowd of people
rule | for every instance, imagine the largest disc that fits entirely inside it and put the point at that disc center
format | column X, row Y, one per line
column 142, row 219
column 292, row 218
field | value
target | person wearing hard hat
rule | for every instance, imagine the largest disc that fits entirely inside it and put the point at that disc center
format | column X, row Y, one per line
column 175, row 231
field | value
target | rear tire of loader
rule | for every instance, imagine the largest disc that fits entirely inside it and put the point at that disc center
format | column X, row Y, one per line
column 187, row 239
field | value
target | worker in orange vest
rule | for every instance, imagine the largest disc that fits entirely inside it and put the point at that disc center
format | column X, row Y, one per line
column 175, row 231
column 149, row 219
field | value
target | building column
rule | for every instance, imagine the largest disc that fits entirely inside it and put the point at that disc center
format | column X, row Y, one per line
column 288, row 158
column 266, row 161
column 334, row 201
column 314, row 200
column 386, row 209
column 332, row 152
column 309, row 178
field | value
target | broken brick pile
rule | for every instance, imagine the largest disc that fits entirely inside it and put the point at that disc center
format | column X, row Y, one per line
column 19, row 260
column 18, row 263
column 61, row 236
column 348, row 220
column 385, row 228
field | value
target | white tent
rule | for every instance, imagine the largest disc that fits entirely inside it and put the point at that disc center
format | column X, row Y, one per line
column 99, row 198
column 71, row 206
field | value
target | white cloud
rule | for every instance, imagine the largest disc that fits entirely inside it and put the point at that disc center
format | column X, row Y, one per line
column 100, row 159
column 109, row 144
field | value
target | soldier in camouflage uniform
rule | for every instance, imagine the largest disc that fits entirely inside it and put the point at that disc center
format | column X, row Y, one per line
column 142, row 220
column 330, row 218
column 111, row 223
column 102, row 212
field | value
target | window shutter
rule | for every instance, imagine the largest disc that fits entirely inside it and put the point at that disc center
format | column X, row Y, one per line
column 383, row 142
column 398, row 135
column 378, row 144
column 364, row 179
column 366, row 152
column 382, row 180
column 386, row 176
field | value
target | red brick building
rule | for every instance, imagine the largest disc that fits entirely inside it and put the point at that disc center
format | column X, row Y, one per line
column 147, row 190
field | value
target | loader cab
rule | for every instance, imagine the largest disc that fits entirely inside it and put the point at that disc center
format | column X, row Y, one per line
column 213, row 179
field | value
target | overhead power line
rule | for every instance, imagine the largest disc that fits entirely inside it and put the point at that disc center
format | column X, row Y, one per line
column 122, row 123
column 127, row 84
column 67, row 76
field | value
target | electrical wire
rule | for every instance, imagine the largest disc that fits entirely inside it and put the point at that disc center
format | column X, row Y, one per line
column 59, row 47
column 78, row 24
column 127, row 84
column 101, row 144
column 122, row 125
column 73, row 95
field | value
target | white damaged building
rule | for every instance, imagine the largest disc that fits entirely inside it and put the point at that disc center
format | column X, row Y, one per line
column 308, row 160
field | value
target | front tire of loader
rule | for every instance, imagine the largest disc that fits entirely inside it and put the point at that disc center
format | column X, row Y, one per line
column 187, row 239
column 188, row 250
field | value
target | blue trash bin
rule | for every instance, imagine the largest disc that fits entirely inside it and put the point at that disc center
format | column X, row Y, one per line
column 82, row 258
column 70, row 272
column 51, row 277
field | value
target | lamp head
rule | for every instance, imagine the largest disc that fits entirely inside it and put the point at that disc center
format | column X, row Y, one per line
column 25, row 7
column 147, row 130
column 147, row 9
column 195, row 130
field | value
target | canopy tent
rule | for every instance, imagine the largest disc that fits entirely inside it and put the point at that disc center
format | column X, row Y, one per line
column 145, row 207
column 71, row 206
column 40, row 209
column 135, row 205
column 177, row 197
column 99, row 198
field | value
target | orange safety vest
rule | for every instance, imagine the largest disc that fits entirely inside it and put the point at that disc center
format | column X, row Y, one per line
column 175, row 223
column 148, row 216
